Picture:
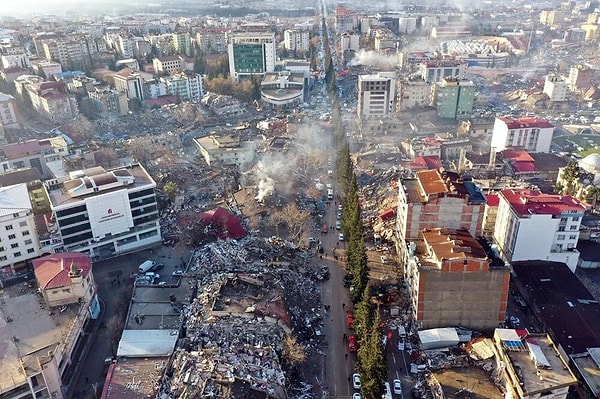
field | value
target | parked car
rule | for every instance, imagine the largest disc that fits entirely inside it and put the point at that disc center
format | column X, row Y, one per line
column 177, row 273
column 397, row 384
column 356, row 381
column 341, row 237
column 356, row 395
column 352, row 344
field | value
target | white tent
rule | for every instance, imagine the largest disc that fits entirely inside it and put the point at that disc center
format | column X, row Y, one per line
column 438, row 338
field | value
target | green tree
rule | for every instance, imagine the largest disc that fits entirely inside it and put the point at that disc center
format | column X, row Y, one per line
column 372, row 363
column 171, row 190
column 569, row 179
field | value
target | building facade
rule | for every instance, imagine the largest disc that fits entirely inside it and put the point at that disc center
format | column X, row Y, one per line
column 251, row 53
column 106, row 213
column 283, row 89
column 452, row 282
column 436, row 70
column 556, row 87
column 186, row 85
column 130, row 83
column 531, row 225
column 413, row 93
column 454, row 98
column 296, row 40
column 531, row 134
column 376, row 95
column 109, row 103
column 437, row 199
column 9, row 113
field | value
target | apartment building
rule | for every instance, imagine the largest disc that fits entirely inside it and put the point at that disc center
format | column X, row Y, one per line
column 531, row 225
column 436, row 70
column 532, row 134
column 104, row 213
column 453, row 282
column 435, row 199
column 18, row 235
column 413, row 92
column 170, row 64
column 296, row 40
column 182, row 43
column 46, row 68
column 454, row 98
column 9, row 113
column 376, row 95
column 251, row 53
column 556, row 87
column 185, row 85
column 131, row 83
column 225, row 150
column 531, row 365
column 109, row 103
column 212, row 40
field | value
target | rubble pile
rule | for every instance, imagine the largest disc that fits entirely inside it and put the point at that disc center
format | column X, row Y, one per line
column 251, row 293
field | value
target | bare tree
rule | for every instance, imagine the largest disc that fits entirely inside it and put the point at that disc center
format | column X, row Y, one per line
column 296, row 220
column 293, row 351
column 114, row 327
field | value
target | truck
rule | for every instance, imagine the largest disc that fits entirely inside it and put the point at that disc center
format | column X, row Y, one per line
column 146, row 266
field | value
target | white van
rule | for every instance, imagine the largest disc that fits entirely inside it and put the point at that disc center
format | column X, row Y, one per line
column 146, row 266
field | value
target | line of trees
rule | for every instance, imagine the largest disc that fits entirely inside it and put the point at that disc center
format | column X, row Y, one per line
column 371, row 362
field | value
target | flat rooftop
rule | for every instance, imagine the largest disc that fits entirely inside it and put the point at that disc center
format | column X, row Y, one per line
column 26, row 326
column 152, row 306
column 589, row 369
column 539, row 365
column 59, row 196
column 467, row 383
column 132, row 378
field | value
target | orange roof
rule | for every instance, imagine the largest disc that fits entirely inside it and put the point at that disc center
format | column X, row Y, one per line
column 431, row 181
column 52, row 271
column 451, row 244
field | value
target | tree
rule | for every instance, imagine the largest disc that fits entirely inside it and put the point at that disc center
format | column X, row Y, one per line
column 372, row 363
column 294, row 219
column 569, row 177
column 170, row 188
column 114, row 328
column 293, row 352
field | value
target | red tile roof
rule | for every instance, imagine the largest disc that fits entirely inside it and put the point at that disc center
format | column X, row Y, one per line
column 17, row 150
column 52, row 271
column 516, row 155
column 523, row 167
column 426, row 162
column 516, row 123
column 526, row 202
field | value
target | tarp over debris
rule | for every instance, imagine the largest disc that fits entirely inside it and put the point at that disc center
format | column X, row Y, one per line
column 147, row 343
column 438, row 338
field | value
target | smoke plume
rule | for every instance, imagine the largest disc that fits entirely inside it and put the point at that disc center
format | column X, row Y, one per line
column 375, row 59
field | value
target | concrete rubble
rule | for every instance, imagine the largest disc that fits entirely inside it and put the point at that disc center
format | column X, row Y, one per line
column 249, row 295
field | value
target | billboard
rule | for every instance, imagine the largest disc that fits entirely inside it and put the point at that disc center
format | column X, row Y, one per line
column 109, row 213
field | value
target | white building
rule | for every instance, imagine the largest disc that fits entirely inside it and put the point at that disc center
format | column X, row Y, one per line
column 186, row 85
column 106, row 213
column 556, row 87
column 18, row 235
column 407, row 25
column 251, row 53
column 376, row 95
column 282, row 89
column 437, row 70
column 531, row 225
column 225, row 150
column 109, row 103
column 413, row 93
column 170, row 64
column 349, row 41
column 131, row 83
column 9, row 114
column 532, row 134
column 296, row 40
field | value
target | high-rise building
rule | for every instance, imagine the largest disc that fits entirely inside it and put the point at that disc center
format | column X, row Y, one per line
column 212, row 40
column 110, row 103
column 531, row 134
column 182, row 43
column 454, row 98
column 251, row 53
column 185, row 85
column 131, row 83
column 452, row 281
column 556, row 86
column 413, row 92
column 376, row 95
column 531, row 225
column 436, row 70
column 296, row 40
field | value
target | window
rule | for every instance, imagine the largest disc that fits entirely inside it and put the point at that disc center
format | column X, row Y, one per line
column 12, row 236
column 25, row 233
column 27, row 242
column 17, row 254
column 561, row 228
column 22, row 224
column 15, row 245
column 9, row 227
column 572, row 237
column 574, row 227
column 560, row 237
column 2, row 258
column 575, row 218
column 16, row 215
column 30, row 250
